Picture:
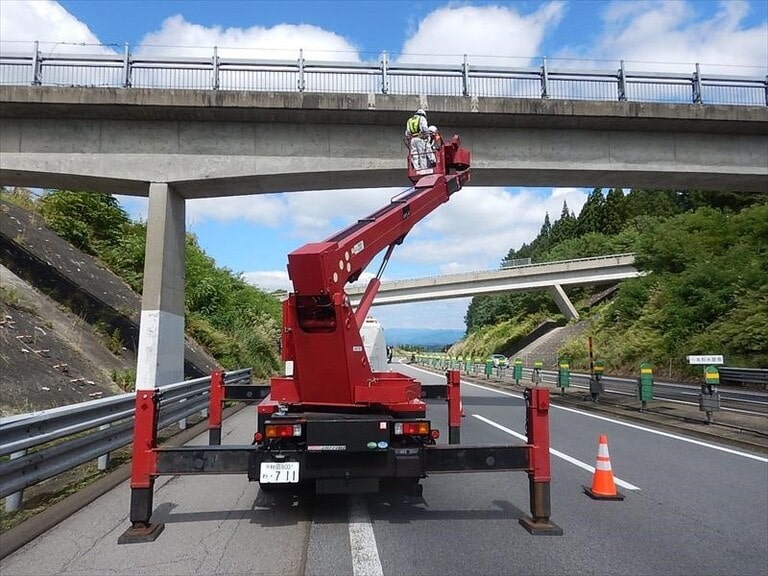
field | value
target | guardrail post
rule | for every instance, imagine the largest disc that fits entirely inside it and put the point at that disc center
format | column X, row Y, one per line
column 539, row 471
column 13, row 501
column 37, row 68
column 384, row 73
column 697, row 85
column 215, row 403
column 301, row 83
column 544, row 79
column 103, row 461
column 215, row 79
column 127, row 66
column 465, row 76
column 183, row 422
column 622, row 83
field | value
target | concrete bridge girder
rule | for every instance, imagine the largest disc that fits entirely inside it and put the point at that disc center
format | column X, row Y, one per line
column 121, row 140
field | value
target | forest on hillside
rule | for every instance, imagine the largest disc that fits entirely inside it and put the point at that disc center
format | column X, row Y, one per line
column 705, row 288
column 237, row 323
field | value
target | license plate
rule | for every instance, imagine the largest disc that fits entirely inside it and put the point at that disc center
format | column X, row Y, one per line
column 279, row 473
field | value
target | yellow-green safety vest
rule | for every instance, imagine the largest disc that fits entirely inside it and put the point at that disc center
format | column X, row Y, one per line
column 413, row 124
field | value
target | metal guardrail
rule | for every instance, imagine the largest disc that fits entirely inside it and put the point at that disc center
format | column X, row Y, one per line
column 743, row 375
column 126, row 70
column 46, row 443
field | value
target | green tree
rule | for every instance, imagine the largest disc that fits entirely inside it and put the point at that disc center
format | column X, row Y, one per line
column 592, row 217
column 88, row 221
column 565, row 226
column 615, row 212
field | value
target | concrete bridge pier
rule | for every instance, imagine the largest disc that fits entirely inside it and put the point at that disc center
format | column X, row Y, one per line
column 161, row 332
column 563, row 302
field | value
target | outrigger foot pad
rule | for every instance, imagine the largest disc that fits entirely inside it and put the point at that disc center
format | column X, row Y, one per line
column 540, row 528
column 140, row 532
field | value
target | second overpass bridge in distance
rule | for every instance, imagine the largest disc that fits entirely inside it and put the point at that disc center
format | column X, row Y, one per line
column 551, row 276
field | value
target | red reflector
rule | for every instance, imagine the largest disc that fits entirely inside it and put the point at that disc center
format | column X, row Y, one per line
column 435, row 434
column 415, row 428
column 282, row 430
column 258, row 437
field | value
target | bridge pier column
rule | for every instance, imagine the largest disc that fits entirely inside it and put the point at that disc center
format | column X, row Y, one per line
column 161, row 347
column 563, row 302
column 161, row 333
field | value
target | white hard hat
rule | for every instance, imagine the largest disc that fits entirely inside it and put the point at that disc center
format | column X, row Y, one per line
column 433, row 128
column 420, row 112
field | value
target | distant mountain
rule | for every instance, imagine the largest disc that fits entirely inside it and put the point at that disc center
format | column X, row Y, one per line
column 422, row 337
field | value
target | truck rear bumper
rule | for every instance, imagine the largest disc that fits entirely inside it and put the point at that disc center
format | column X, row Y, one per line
column 336, row 471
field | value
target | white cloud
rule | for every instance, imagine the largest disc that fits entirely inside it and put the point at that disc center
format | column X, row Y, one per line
column 23, row 21
column 476, row 229
column 268, row 280
column 264, row 209
column 668, row 36
column 491, row 35
column 310, row 215
column 279, row 42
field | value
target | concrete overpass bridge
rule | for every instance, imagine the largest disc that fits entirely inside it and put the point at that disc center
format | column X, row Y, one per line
column 551, row 276
column 206, row 144
column 201, row 141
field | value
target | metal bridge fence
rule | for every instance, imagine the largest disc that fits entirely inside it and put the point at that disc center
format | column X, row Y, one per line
column 553, row 79
column 46, row 443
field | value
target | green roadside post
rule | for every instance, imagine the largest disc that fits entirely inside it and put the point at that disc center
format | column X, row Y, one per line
column 536, row 376
column 488, row 368
column 709, row 400
column 645, row 384
column 518, row 371
column 564, row 374
column 595, row 382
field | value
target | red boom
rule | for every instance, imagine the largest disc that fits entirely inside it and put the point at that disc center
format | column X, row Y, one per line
column 321, row 330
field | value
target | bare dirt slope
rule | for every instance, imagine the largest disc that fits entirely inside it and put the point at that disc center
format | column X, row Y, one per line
column 68, row 325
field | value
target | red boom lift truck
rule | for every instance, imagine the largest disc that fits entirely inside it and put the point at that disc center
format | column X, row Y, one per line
column 334, row 423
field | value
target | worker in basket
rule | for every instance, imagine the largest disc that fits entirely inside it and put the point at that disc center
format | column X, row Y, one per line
column 435, row 143
column 417, row 138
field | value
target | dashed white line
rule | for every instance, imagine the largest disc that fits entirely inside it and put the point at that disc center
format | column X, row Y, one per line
column 563, row 456
column 365, row 554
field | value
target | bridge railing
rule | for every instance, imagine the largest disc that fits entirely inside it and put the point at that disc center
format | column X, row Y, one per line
column 46, row 443
column 552, row 79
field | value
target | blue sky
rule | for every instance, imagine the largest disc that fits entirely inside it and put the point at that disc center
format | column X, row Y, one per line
column 477, row 227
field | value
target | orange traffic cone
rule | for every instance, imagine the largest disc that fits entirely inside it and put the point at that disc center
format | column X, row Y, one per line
column 603, row 486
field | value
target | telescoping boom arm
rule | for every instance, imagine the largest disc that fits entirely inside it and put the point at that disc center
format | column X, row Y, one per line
column 321, row 331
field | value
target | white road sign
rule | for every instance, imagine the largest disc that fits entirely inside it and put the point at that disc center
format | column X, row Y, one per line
column 706, row 359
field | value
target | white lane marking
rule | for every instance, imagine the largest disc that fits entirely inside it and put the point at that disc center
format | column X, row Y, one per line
column 620, row 423
column 570, row 459
column 365, row 554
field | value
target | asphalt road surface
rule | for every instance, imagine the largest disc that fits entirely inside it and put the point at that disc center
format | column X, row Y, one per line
column 691, row 507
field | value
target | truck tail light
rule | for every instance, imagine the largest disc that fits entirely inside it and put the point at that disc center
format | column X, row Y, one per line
column 282, row 430
column 421, row 428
